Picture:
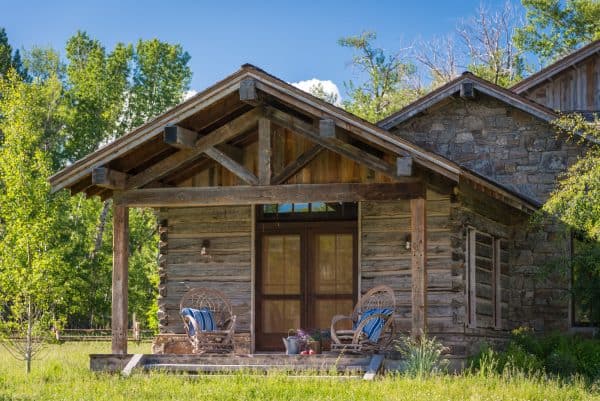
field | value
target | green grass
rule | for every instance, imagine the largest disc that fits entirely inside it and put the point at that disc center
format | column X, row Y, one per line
column 63, row 374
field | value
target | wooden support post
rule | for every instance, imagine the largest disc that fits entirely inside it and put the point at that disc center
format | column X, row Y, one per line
column 264, row 151
column 419, row 264
column 120, row 278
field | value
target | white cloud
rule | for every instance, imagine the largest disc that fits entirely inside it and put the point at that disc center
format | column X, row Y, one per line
column 328, row 87
column 189, row 94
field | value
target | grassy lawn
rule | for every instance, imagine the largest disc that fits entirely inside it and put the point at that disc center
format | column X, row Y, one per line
column 63, row 374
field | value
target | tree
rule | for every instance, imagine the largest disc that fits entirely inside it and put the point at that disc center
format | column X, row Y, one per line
column 10, row 59
column 555, row 28
column 32, row 270
column 441, row 58
column 389, row 82
column 488, row 38
column 161, row 76
column 318, row 90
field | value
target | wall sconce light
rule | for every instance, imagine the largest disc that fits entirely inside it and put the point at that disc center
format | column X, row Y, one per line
column 408, row 241
column 204, row 247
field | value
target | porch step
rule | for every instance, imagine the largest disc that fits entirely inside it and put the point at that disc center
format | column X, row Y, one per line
column 259, row 363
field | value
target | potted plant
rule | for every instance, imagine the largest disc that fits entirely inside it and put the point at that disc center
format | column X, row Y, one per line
column 310, row 341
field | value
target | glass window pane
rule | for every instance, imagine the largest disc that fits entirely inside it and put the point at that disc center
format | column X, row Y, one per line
column 281, row 265
column 334, row 259
column 284, row 208
column 279, row 316
column 327, row 308
column 301, row 207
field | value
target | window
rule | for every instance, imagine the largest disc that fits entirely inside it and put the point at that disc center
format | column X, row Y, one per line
column 487, row 279
column 308, row 211
column 585, row 275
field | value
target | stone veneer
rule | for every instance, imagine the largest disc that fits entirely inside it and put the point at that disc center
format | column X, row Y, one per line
column 523, row 153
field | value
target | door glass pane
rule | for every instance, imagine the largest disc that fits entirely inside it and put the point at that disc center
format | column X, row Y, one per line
column 333, row 264
column 281, row 265
column 278, row 316
column 325, row 309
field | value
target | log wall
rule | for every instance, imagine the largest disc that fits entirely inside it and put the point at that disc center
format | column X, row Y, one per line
column 385, row 228
column 227, row 267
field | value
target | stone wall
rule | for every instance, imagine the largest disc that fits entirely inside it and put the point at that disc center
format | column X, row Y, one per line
column 522, row 153
column 497, row 141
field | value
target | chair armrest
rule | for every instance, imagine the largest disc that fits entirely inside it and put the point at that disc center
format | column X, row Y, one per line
column 334, row 320
column 359, row 329
column 189, row 319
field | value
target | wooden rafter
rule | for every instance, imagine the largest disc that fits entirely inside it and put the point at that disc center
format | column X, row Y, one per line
column 224, row 160
column 248, row 195
column 176, row 160
column 107, row 178
column 334, row 144
column 294, row 167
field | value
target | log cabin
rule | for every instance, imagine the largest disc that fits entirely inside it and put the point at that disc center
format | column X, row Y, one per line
column 293, row 207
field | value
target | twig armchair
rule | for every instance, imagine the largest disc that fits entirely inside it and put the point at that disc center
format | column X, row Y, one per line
column 375, row 308
column 219, row 340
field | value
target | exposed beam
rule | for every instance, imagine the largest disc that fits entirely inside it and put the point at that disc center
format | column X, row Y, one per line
column 264, row 151
column 294, row 167
column 249, row 195
column 419, row 265
column 179, row 137
column 120, row 278
column 222, row 134
column 231, row 165
column 334, row 144
column 107, row 178
column 248, row 90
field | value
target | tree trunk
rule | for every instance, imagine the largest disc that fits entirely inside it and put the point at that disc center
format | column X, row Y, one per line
column 29, row 339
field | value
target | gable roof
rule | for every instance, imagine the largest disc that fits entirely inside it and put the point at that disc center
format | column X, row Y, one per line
column 453, row 87
column 77, row 177
column 556, row 67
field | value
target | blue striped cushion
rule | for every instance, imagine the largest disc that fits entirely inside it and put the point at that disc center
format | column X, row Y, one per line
column 203, row 317
column 373, row 328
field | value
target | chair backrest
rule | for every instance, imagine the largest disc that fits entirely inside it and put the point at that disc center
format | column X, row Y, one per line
column 210, row 299
column 381, row 296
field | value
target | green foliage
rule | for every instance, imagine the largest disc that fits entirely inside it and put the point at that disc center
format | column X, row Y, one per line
column 389, row 82
column 422, row 356
column 554, row 28
column 64, row 375
column 556, row 354
column 31, row 265
column 319, row 91
column 160, row 78
column 9, row 59
column 60, row 113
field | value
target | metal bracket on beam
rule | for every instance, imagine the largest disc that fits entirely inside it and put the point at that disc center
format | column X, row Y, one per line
column 327, row 128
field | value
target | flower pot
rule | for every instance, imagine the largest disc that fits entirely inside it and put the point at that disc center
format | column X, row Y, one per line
column 314, row 345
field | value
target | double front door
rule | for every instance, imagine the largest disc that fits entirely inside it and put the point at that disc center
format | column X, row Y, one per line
column 306, row 273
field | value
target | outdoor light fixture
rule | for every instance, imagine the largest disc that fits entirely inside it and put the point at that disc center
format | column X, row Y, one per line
column 408, row 240
column 204, row 248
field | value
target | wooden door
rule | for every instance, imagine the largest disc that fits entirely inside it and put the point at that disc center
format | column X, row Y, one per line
column 306, row 273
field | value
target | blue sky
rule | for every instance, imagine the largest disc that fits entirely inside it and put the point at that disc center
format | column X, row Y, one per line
column 294, row 40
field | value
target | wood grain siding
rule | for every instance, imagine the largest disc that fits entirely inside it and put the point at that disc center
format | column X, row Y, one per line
column 324, row 168
column 226, row 267
column 575, row 88
column 384, row 259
